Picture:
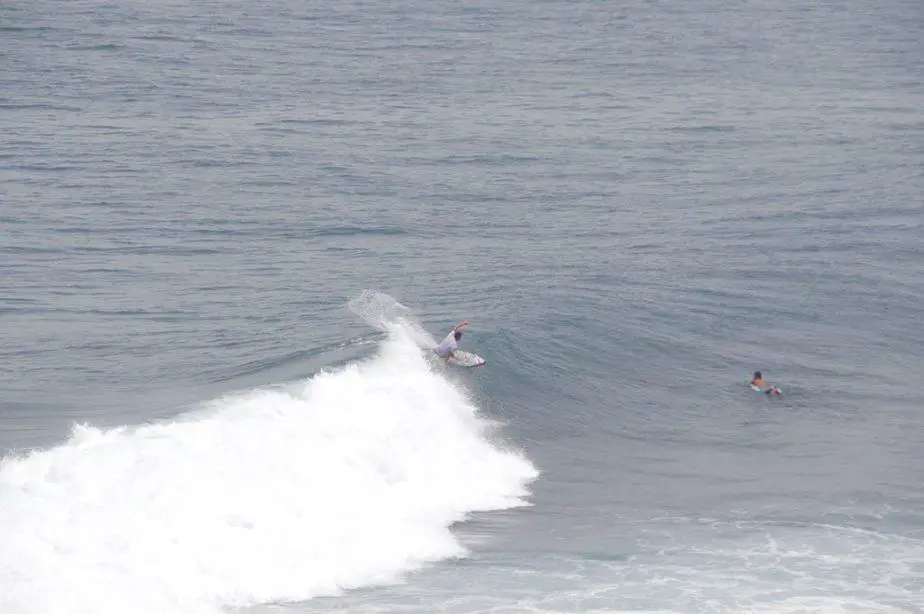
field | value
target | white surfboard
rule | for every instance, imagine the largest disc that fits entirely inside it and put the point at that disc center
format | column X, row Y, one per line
column 461, row 358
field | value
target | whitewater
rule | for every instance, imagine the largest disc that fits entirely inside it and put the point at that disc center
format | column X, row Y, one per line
column 352, row 477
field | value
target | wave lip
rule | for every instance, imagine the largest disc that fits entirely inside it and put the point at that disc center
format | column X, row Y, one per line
column 349, row 479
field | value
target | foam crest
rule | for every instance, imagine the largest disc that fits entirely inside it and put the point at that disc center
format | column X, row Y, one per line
column 381, row 311
column 351, row 478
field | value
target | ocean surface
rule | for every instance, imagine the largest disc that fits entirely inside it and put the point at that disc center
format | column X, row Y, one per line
column 230, row 232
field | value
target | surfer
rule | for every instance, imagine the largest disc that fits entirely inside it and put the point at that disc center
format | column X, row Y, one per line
column 760, row 383
column 451, row 343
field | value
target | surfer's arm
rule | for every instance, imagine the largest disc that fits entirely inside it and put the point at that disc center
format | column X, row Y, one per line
column 459, row 325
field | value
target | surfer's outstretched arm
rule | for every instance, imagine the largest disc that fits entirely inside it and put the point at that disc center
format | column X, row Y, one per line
column 459, row 325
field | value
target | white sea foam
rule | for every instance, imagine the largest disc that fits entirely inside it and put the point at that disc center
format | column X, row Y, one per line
column 351, row 478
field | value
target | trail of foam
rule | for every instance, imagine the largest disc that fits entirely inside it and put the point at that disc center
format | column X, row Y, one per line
column 678, row 565
column 350, row 479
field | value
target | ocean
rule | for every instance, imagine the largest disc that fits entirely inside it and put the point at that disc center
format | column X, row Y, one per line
column 233, row 231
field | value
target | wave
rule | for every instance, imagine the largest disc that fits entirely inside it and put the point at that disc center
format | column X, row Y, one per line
column 351, row 478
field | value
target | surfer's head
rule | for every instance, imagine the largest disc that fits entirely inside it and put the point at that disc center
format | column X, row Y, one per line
column 757, row 375
column 458, row 335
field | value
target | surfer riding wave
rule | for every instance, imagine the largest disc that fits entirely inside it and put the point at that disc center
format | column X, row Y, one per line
column 447, row 347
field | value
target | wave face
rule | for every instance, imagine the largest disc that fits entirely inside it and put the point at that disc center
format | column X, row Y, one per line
column 351, row 478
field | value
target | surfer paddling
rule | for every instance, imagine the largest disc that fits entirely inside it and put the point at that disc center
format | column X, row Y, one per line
column 759, row 383
column 450, row 344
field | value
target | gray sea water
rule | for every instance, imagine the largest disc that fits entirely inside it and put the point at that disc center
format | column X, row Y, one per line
column 231, row 230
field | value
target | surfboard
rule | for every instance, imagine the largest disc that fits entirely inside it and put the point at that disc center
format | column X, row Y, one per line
column 461, row 358
column 771, row 390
